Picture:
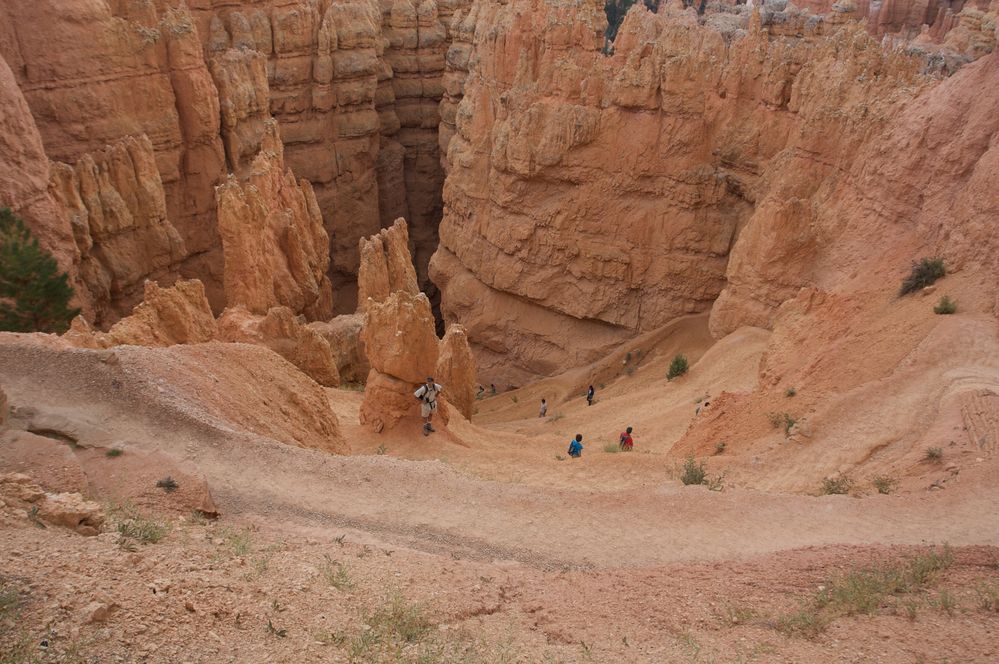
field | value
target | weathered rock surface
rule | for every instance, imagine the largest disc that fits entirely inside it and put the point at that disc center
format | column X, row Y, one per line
column 401, row 345
column 590, row 198
column 68, row 510
column 3, row 407
column 456, row 370
column 281, row 331
column 179, row 314
column 276, row 248
column 386, row 265
column 343, row 334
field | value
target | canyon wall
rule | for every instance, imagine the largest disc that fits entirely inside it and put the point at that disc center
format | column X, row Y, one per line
column 592, row 197
column 354, row 86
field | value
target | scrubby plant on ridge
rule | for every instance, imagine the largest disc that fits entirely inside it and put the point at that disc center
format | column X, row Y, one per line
column 693, row 472
column 945, row 306
column 838, row 485
column 885, row 484
column 677, row 367
column 923, row 274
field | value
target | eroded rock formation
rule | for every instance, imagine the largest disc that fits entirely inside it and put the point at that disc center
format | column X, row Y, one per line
column 456, row 370
column 592, row 197
column 386, row 265
column 275, row 245
column 280, row 331
column 401, row 345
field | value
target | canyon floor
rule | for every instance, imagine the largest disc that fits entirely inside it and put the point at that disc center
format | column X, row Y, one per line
column 484, row 542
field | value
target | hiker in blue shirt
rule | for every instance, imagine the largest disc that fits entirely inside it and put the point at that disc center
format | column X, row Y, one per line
column 576, row 446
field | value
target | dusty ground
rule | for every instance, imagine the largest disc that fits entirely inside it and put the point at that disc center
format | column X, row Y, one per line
column 483, row 543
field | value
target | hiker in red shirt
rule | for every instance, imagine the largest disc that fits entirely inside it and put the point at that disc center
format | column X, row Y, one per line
column 626, row 442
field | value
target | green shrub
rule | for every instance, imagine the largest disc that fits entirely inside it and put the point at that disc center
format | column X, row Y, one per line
column 839, row 485
column 790, row 392
column 336, row 574
column 934, row 454
column 782, row 420
column 923, row 273
column 34, row 295
column 719, row 447
column 945, row 306
column 693, row 472
column 114, row 452
column 612, row 448
column 677, row 367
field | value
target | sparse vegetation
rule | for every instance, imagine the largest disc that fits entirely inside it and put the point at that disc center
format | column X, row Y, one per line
column 923, row 274
column 693, row 472
column 382, row 450
column 945, row 602
column 782, row 420
column 884, row 483
column 336, row 574
column 865, row 591
column 836, row 485
column 988, row 597
column 629, row 370
column 612, row 448
column 677, row 367
column 114, row 452
column 34, row 295
column 168, row 484
column 719, row 447
column 790, row 392
column 934, row 454
column 559, row 457
column 513, row 398
column 276, row 631
column 397, row 631
column 945, row 306
column 132, row 526
column 556, row 417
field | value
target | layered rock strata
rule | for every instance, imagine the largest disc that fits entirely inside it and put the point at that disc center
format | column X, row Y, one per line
column 590, row 198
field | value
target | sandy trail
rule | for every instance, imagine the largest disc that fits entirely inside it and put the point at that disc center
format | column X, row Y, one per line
column 436, row 506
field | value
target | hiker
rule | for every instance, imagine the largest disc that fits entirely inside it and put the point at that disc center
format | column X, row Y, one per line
column 589, row 396
column 427, row 396
column 544, row 408
column 576, row 446
column 626, row 442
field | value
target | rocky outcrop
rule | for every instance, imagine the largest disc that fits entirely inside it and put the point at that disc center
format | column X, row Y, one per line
column 68, row 510
column 143, row 77
column 591, row 198
column 179, row 314
column 116, row 205
column 386, row 265
column 281, row 331
column 24, row 181
column 456, row 370
column 400, row 344
column 343, row 334
column 275, row 246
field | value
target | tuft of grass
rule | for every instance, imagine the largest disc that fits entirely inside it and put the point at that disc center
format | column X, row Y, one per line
column 556, row 417
column 559, row 457
column 677, row 367
column 382, row 450
column 693, row 472
column 805, row 623
column 923, row 274
column 988, row 597
column 336, row 574
column 719, row 447
column 612, row 448
column 131, row 525
column 276, row 631
column 934, row 454
column 884, row 483
column 837, row 485
column 513, row 398
column 629, row 370
column 114, row 452
column 945, row 602
column 945, row 306
column 168, row 484
column 790, row 392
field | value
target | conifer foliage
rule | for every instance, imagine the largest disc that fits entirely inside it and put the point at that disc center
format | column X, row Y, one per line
column 34, row 295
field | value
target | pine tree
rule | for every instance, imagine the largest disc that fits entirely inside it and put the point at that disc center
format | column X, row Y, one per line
column 34, row 295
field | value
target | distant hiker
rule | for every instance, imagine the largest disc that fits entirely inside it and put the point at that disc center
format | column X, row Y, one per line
column 626, row 442
column 492, row 388
column 589, row 396
column 544, row 408
column 427, row 396
column 576, row 446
